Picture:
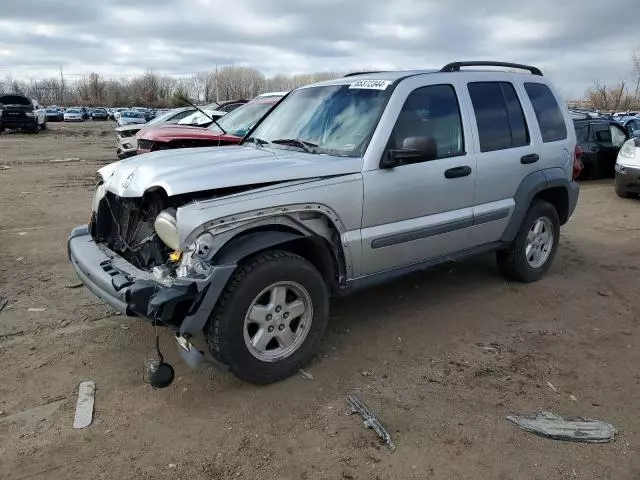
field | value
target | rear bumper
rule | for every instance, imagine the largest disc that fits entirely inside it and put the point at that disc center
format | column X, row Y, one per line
column 574, row 193
column 16, row 123
column 184, row 304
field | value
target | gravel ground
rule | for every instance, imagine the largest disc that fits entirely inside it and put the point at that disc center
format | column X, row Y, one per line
column 441, row 356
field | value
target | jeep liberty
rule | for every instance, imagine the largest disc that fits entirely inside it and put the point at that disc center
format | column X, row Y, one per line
column 343, row 184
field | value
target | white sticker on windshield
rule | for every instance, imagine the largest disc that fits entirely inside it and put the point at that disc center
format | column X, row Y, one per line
column 371, row 84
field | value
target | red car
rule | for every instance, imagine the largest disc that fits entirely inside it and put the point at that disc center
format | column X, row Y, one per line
column 229, row 130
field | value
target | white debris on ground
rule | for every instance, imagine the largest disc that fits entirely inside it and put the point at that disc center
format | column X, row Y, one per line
column 84, row 407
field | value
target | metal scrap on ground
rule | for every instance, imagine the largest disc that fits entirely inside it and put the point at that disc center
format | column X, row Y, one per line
column 550, row 425
column 84, row 407
column 370, row 420
column 3, row 303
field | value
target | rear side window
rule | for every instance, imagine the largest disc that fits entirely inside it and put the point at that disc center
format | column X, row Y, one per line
column 499, row 116
column 550, row 119
column 582, row 132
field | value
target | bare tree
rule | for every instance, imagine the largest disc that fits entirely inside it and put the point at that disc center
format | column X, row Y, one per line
column 228, row 82
column 635, row 65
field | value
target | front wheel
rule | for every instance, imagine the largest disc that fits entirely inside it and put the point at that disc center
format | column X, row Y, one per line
column 532, row 252
column 270, row 318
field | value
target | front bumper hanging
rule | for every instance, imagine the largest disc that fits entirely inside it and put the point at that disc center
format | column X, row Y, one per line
column 184, row 304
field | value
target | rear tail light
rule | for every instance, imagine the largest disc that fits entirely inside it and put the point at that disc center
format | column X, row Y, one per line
column 577, row 163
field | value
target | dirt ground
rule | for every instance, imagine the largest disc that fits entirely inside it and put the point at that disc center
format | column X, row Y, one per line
column 442, row 357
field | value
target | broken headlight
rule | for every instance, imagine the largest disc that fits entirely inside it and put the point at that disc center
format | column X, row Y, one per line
column 197, row 257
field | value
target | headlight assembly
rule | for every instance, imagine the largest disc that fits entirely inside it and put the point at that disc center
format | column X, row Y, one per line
column 166, row 227
column 98, row 195
column 628, row 150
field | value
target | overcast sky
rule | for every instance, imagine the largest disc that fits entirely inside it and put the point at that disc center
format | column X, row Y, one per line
column 573, row 41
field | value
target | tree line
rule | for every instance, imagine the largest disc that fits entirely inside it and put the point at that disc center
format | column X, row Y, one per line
column 622, row 96
column 153, row 90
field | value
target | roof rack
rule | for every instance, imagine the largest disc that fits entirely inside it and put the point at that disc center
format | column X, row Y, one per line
column 455, row 66
column 353, row 74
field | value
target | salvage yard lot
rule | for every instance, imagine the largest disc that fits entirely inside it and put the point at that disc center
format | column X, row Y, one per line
column 441, row 356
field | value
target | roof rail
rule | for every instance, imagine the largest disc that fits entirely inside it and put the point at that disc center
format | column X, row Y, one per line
column 353, row 74
column 455, row 66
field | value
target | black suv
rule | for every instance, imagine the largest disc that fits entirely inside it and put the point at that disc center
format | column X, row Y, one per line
column 600, row 141
column 18, row 112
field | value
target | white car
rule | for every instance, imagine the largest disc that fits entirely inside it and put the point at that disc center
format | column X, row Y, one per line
column 130, row 117
column 628, row 169
column 73, row 115
column 126, row 143
column 199, row 119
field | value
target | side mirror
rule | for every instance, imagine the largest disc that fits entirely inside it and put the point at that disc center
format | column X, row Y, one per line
column 414, row 150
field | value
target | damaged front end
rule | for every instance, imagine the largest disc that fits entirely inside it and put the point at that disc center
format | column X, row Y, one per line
column 128, row 256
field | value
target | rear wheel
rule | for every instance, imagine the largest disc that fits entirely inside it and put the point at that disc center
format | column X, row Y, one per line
column 270, row 317
column 532, row 252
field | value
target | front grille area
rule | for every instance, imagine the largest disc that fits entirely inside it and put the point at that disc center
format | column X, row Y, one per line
column 145, row 144
column 125, row 225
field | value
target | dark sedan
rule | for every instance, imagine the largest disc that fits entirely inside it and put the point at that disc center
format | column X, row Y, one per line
column 54, row 114
column 100, row 114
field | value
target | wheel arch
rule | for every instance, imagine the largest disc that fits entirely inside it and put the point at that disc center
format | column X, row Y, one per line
column 551, row 185
column 319, row 243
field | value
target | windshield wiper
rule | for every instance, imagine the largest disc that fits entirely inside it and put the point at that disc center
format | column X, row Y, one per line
column 257, row 141
column 306, row 146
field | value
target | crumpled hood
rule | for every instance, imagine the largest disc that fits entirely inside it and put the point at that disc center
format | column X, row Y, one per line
column 199, row 169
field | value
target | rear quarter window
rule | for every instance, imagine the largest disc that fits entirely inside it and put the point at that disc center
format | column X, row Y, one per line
column 548, row 113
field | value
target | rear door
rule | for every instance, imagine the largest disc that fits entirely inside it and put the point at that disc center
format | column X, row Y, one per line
column 506, row 151
column 606, row 139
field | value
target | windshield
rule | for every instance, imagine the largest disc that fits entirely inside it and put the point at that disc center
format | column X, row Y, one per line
column 73, row 110
column 132, row 115
column 240, row 121
column 333, row 119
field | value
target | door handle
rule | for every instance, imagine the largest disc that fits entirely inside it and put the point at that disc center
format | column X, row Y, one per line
column 531, row 158
column 457, row 172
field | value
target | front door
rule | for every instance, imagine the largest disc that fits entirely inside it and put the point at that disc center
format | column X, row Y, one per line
column 421, row 208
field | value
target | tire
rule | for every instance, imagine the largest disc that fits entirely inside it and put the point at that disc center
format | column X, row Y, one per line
column 513, row 261
column 228, row 336
column 44, row 125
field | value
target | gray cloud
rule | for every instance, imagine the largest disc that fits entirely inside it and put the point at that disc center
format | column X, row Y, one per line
column 575, row 41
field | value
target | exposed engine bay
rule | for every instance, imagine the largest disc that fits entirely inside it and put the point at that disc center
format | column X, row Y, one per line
column 143, row 230
column 126, row 226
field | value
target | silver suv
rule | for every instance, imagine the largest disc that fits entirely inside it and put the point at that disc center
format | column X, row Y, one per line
column 343, row 184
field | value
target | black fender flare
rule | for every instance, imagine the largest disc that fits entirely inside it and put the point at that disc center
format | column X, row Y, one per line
column 530, row 186
column 244, row 245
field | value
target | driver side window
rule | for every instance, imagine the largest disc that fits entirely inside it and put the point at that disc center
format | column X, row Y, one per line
column 430, row 121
